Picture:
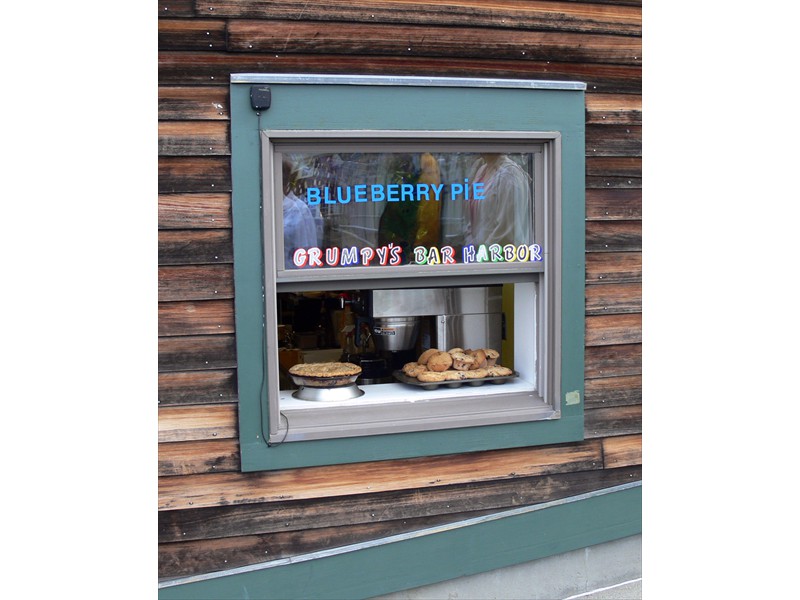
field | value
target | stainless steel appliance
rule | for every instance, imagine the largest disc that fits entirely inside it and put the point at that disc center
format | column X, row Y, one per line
column 404, row 322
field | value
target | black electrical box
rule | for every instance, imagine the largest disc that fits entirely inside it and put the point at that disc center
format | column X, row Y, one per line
column 260, row 97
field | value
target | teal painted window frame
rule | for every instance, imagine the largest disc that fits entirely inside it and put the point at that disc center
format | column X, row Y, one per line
column 380, row 104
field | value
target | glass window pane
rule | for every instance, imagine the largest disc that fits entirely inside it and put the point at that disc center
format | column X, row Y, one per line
column 344, row 209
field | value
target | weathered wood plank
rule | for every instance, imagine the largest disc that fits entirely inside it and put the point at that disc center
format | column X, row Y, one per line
column 203, row 174
column 613, row 109
column 195, row 282
column 613, row 140
column 217, row 489
column 613, row 204
column 206, row 456
column 195, row 103
column 195, row 68
column 192, row 34
column 612, row 182
column 193, row 138
column 613, row 391
column 504, row 14
column 613, row 267
column 614, row 298
column 194, row 247
column 607, row 330
column 194, row 211
column 176, row 8
column 614, row 166
column 292, row 37
column 205, row 317
column 613, row 361
column 612, row 421
column 613, row 236
column 194, row 423
column 195, row 387
column 622, row 451
column 196, row 352
column 272, row 517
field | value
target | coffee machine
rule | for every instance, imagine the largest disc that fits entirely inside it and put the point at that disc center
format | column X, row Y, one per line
column 404, row 322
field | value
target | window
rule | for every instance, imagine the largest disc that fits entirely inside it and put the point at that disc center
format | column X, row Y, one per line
column 375, row 243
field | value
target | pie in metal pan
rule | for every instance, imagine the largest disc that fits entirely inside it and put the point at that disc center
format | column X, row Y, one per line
column 325, row 374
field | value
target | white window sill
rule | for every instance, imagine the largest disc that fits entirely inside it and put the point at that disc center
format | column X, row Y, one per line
column 395, row 407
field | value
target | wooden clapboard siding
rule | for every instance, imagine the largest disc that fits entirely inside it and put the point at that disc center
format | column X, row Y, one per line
column 177, row 387
column 197, row 352
column 337, row 480
column 176, row 8
column 613, row 267
column 192, row 423
column 193, row 138
column 203, row 103
column 614, row 298
column 293, row 515
column 202, row 174
column 613, row 166
column 612, row 421
column 613, row 391
column 197, row 540
column 613, row 361
column 600, row 17
column 195, row 68
column 195, row 318
column 195, row 246
column 423, row 40
column 192, row 34
column 613, row 109
column 613, row 140
column 205, row 456
column 613, row 236
column 607, row 330
column 194, row 211
column 195, row 282
column 213, row 517
column 622, row 451
column 614, row 204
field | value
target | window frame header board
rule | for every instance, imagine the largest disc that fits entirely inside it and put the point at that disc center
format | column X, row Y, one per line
column 409, row 110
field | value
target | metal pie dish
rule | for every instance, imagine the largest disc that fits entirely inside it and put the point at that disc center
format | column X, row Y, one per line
column 328, row 394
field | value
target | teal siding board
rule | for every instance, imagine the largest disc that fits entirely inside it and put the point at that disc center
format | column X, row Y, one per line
column 427, row 559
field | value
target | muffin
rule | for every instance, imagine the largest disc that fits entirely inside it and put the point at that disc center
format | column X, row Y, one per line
column 480, row 358
column 462, row 361
column 412, row 369
column 441, row 361
column 425, row 356
column 431, row 377
column 499, row 371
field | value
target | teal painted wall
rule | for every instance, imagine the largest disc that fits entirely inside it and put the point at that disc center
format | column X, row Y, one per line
column 354, row 107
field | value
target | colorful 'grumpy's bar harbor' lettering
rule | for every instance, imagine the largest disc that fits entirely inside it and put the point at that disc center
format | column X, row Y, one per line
column 392, row 255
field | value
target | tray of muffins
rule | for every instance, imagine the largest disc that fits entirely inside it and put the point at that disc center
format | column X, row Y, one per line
column 454, row 368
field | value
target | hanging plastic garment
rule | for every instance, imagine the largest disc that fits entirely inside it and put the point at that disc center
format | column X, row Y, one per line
column 503, row 216
column 299, row 228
